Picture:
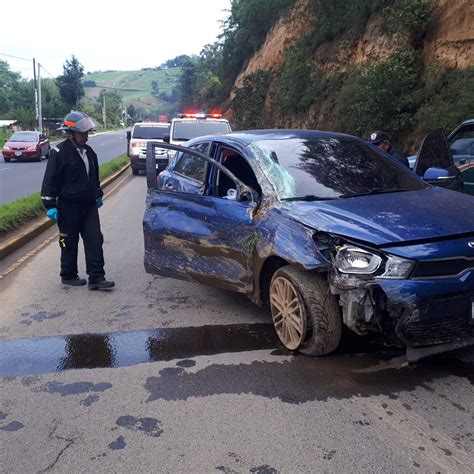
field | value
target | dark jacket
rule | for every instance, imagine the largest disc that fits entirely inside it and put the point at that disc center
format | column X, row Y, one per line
column 396, row 153
column 66, row 178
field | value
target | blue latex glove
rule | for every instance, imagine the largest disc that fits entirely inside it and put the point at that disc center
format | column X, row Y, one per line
column 53, row 213
column 99, row 202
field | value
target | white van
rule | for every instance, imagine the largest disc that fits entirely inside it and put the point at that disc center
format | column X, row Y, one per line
column 142, row 133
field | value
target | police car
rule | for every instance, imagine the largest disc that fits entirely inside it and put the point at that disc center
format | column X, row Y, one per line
column 191, row 125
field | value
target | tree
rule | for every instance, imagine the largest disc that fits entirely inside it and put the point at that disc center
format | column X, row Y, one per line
column 69, row 83
column 8, row 88
column 154, row 88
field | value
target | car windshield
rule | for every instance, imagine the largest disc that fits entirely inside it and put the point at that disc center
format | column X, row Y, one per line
column 329, row 168
column 198, row 128
column 24, row 137
column 150, row 132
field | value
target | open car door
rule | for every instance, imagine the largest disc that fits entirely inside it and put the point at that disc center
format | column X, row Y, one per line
column 435, row 153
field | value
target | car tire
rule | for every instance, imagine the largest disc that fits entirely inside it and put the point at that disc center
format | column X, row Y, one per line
column 6, row 160
column 46, row 156
column 305, row 314
column 135, row 172
column 38, row 158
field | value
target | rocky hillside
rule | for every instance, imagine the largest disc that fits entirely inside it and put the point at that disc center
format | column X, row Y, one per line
column 398, row 72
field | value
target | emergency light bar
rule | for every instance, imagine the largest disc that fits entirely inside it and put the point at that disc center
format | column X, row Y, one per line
column 200, row 116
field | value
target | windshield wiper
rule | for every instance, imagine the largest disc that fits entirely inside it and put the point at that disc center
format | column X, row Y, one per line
column 308, row 197
column 378, row 191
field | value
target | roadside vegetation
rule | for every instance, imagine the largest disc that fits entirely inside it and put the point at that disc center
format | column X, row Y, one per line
column 396, row 93
column 140, row 94
column 20, row 212
column 4, row 135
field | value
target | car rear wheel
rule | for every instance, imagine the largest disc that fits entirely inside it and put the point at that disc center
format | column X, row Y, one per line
column 135, row 172
column 305, row 314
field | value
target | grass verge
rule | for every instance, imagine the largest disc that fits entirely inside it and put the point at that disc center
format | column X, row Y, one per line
column 17, row 213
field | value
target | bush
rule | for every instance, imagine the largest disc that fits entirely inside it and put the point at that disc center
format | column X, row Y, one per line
column 334, row 17
column 383, row 96
column 409, row 17
column 449, row 99
column 249, row 101
column 301, row 82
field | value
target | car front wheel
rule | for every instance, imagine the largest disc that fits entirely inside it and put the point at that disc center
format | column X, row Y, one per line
column 305, row 314
column 135, row 172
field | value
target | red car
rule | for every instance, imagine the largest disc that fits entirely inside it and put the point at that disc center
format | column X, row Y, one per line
column 26, row 145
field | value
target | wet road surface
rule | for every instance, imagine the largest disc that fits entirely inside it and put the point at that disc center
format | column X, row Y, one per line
column 166, row 376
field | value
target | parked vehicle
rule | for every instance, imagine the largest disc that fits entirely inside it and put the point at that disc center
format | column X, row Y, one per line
column 459, row 157
column 325, row 229
column 191, row 125
column 26, row 145
column 141, row 134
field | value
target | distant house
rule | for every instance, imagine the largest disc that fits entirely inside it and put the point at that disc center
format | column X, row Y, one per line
column 12, row 125
column 51, row 125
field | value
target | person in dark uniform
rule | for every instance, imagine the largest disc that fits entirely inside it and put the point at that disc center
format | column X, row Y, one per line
column 71, row 194
column 383, row 141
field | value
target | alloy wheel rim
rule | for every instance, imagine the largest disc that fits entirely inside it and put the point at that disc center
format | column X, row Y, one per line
column 288, row 313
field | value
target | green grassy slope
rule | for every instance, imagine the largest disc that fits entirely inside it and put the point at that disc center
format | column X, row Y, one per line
column 135, row 86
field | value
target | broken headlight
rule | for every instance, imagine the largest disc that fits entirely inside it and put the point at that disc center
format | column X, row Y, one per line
column 356, row 260
column 397, row 267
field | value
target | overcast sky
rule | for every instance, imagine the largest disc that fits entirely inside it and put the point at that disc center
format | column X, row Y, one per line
column 105, row 35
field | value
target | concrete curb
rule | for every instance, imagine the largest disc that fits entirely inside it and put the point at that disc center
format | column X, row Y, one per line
column 33, row 231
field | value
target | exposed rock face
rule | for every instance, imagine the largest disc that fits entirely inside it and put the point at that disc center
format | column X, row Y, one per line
column 450, row 38
column 449, row 42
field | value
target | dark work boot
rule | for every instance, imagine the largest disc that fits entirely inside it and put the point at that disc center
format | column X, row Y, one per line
column 101, row 285
column 73, row 281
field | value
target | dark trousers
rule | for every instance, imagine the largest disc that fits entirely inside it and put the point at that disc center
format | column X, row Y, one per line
column 83, row 219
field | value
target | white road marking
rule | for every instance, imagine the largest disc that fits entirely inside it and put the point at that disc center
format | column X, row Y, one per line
column 3, row 169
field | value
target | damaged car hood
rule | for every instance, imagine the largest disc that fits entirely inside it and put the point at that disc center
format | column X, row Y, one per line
column 389, row 218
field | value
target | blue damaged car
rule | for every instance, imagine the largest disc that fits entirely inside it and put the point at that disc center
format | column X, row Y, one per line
column 323, row 229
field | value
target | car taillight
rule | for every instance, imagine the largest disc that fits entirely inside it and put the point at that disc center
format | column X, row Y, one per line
column 139, row 144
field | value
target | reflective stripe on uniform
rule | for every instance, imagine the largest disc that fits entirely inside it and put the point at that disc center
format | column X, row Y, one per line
column 55, row 148
column 48, row 198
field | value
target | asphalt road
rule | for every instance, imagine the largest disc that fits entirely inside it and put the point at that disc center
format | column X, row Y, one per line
column 167, row 376
column 21, row 178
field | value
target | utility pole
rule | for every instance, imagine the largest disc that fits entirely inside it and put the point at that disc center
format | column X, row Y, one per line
column 36, row 90
column 40, row 111
column 104, row 112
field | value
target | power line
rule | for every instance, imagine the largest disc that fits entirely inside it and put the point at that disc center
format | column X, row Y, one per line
column 16, row 57
column 47, row 72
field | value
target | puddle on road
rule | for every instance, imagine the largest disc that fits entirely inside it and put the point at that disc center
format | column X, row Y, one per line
column 87, row 351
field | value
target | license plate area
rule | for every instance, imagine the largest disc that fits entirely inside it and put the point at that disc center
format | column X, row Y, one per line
column 17, row 153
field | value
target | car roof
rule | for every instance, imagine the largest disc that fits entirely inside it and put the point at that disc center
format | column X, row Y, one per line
column 246, row 137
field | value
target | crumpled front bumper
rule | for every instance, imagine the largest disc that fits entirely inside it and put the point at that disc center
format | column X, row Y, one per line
column 433, row 311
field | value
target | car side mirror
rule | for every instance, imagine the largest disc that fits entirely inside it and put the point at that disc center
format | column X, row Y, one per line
column 166, row 137
column 437, row 174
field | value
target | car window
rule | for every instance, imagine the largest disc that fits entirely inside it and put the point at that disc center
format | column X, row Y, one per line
column 239, row 167
column 24, row 137
column 191, row 166
column 329, row 167
column 150, row 132
column 462, row 143
column 198, row 128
